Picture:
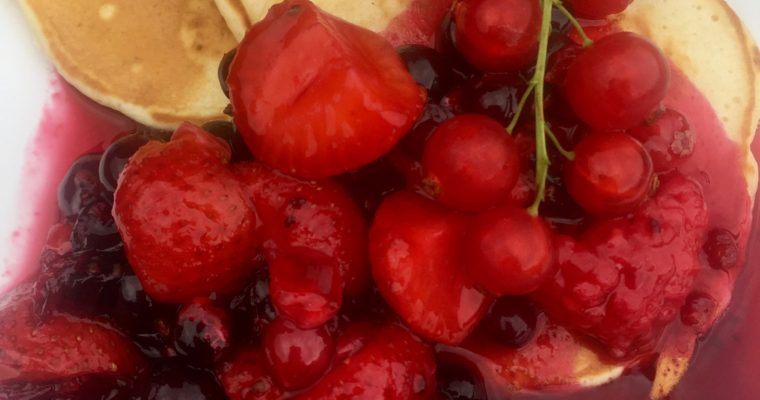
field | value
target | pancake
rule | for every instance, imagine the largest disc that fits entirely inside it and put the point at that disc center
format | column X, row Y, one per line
column 153, row 60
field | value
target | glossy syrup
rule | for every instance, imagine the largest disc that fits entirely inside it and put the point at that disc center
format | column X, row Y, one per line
column 727, row 359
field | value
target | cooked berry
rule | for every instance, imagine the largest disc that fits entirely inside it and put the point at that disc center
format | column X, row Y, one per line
column 470, row 163
column 509, row 251
column 458, row 383
column 115, row 158
column 80, row 187
column 180, row 382
column 94, row 228
column 611, row 174
column 512, row 321
column 227, row 131
column 617, row 82
column 252, row 308
column 699, row 311
column 246, row 376
column 497, row 35
column 224, row 70
column 203, row 332
column 493, row 95
column 297, row 357
column 428, row 68
column 669, row 139
column 721, row 249
column 598, row 9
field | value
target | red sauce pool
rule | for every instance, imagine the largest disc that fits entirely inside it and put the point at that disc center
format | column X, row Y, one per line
column 727, row 359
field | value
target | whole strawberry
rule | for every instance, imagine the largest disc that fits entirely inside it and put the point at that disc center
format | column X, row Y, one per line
column 625, row 279
column 187, row 226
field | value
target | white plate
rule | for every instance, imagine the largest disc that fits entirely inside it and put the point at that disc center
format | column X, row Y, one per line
column 24, row 79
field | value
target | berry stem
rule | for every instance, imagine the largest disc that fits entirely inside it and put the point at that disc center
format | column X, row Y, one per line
column 542, row 156
column 521, row 105
column 573, row 21
column 565, row 153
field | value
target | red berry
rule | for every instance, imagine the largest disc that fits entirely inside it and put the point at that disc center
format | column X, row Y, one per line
column 187, row 226
column 699, row 311
column 510, row 252
column 203, row 331
column 246, row 376
column 316, row 96
column 669, row 139
column 611, row 174
column 721, row 249
column 470, row 163
column 298, row 357
column 497, row 35
column 625, row 279
column 512, row 321
column 597, row 9
column 415, row 248
column 617, row 82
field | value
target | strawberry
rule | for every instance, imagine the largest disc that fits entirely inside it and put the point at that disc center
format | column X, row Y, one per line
column 246, row 376
column 419, row 269
column 315, row 96
column 310, row 226
column 58, row 348
column 187, row 226
column 392, row 364
column 623, row 280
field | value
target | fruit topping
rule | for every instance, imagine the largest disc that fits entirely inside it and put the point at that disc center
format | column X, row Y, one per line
column 610, row 175
column 315, row 96
column 625, row 279
column 187, row 226
column 419, row 268
column 252, row 308
column 512, row 321
column 493, row 95
column 497, row 35
column 721, row 249
column 429, row 69
column 58, row 347
column 297, row 357
column 617, row 82
column 510, row 252
column 115, row 158
column 392, row 364
column 598, row 9
column 316, row 242
column 80, row 187
column 246, row 376
column 470, row 163
column 669, row 139
column 203, row 332
column 179, row 382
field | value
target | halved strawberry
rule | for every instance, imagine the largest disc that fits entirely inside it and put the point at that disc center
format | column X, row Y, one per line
column 419, row 269
column 59, row 347
column 316, row 96
column 246, row 376
column 312, row 228
column 392, row 364
column 188, row 228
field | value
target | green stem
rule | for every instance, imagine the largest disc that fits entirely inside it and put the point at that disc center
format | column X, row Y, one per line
column 542, row 156
column 586, row 40
column 521, row 105
column 565, row 153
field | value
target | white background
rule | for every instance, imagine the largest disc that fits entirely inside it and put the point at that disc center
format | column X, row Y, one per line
column 24, row 77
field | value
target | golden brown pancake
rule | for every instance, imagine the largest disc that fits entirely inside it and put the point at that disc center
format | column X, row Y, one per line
column 154, row 60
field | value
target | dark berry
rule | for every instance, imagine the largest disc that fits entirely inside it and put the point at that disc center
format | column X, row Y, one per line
column 512, row 321
column 226, row 131
column 470, row 163
column 203, row 331
column 179, row 382
column 252, row 309
column 115, row 158
column 494, row 95
column 446, row 45
column 669, row 139
column 721, row 249
column 510, row 252
column 95, row 228
column 298, row 357
column 428, row 68
column 611, row 174
column 224, row 70
column 458, row 383
column 699, row 311
column 617, row 82
column 80, row 186
column 497, row 35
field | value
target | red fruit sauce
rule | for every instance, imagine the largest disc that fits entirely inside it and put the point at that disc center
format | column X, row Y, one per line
column 727, row 359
